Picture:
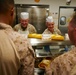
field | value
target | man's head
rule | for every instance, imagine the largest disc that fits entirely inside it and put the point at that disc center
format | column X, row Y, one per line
column 6, row 11
column 50, row 23
column 24, row 16
column 72, row 29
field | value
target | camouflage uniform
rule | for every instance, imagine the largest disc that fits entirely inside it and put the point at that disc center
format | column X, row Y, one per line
column 24, row 49
column 56, row 31
column 63, row 64
column 30, row 28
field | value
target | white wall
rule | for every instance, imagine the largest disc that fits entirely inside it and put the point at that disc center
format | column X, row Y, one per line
column 54, row 5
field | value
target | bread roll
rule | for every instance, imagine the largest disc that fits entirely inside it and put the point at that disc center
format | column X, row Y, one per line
column 44, row 63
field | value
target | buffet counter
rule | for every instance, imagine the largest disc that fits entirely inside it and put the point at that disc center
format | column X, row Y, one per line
column 55, row 48
column 40, row 42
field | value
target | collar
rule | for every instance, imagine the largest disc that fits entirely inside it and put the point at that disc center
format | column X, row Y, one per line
column 5, row 26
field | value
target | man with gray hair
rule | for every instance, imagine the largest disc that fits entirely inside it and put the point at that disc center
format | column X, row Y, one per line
column 24, row 27
column 51, row 29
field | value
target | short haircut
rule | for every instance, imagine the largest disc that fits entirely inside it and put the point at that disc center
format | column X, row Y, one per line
column 5, row 5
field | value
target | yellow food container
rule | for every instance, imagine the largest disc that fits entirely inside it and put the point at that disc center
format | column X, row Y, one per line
column 38, row 36
column 57, row 37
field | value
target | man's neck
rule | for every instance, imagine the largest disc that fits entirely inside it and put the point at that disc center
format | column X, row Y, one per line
column 23, row 28
column 3, row 19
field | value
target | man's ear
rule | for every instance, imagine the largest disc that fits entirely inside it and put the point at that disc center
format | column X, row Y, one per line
column 11, row 15
column 12, row 11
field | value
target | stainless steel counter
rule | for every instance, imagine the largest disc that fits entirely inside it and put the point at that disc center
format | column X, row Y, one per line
column 56, row 49
column 40, row 42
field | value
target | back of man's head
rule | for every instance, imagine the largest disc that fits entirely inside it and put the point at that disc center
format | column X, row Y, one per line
column 5, row 5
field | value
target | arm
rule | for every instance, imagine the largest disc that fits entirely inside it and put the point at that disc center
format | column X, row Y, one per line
column 32, row 29
column 52, row 69
column 58, row 31
column 28, row 62
column 27, row 67
column 16, row 27
column 26, row 54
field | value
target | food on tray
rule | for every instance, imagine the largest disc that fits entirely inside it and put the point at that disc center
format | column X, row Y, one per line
column 38, row 36
column 44, row 63
column 46, row 36
column 57, row 37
